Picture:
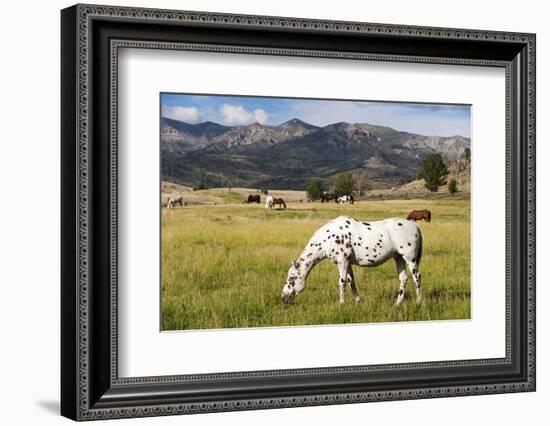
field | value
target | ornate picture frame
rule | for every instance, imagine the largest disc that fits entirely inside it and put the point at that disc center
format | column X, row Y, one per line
column 91, row 37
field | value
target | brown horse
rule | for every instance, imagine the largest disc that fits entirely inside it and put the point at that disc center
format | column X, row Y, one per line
column 279, row 202
column 419, row 215
column 329, row 196
column 253, row 199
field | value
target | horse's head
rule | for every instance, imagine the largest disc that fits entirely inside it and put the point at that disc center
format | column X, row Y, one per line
column 295, row 283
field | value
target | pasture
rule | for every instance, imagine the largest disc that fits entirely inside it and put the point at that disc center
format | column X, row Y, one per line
column 224, row 265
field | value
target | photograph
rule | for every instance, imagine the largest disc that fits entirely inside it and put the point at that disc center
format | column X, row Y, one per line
column 280, row 212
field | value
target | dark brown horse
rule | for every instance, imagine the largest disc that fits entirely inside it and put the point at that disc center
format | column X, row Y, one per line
column 279, row 202
column 419, row 215
column 253, row 199
column 329, row 196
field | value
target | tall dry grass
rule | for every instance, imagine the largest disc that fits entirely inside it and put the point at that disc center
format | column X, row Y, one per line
column 225, row 265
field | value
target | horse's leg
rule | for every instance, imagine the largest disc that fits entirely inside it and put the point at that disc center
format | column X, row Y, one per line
column 351, row 282
column 413, row 267
column 402, row 272
column 343, row 270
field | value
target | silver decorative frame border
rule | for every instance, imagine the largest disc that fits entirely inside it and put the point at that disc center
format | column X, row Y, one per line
column 87, row 12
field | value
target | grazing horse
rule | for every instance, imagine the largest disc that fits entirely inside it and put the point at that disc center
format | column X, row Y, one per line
column 279, row 202
column 346, row 242
column 253, row 199
column 268, row 202
column 345, row 199
column 329, row 196
column 419, row 215
column 172, row 201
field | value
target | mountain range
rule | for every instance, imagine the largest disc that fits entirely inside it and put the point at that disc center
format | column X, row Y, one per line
column 287, row 156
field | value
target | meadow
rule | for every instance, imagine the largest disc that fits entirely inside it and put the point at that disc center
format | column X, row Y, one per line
column 224, row 265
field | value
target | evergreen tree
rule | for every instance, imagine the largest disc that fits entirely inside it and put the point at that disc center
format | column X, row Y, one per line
column 314, row 189
column 452, row 187
column 434, row 172
column 344, row 184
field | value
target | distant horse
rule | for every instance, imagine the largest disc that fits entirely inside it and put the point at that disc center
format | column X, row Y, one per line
column 268, row 202
column 279, row 202
column 253, row 199
column 172, row 201
column 347, row 241
column 329, row 196
column 345, row 199
column 419, row 215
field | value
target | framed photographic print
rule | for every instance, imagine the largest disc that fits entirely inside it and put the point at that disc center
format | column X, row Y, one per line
column 263, row 212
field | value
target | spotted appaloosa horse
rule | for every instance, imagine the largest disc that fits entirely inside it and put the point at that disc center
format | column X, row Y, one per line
column 419, row 215
column 346, row 242
column 268, row 202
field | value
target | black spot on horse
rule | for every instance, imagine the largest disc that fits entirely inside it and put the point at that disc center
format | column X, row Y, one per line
column 341, row 227
column 401, row 292
column 341, row 280
column 409, row 244
column 414, row 258
column 366, row 223
column 348, row 222
column 400, row 224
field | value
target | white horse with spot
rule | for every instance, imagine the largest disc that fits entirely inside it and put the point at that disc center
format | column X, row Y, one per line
column 346, row 242
column 268, row 202
column 172, row 201
column 345, row 199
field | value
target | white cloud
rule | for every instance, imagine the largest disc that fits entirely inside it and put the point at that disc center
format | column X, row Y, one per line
column 236, row 115
column 186, row 114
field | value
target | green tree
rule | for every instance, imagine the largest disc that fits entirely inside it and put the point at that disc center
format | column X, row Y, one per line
column 314, row 189
column 344, row 184
column 434, row 172
column 466, row 154
column 452, row 187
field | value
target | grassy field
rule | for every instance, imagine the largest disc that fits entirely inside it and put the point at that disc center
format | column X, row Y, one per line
column 224, row 266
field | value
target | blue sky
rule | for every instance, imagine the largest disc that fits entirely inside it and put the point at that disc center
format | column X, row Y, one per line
column 424, row 119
